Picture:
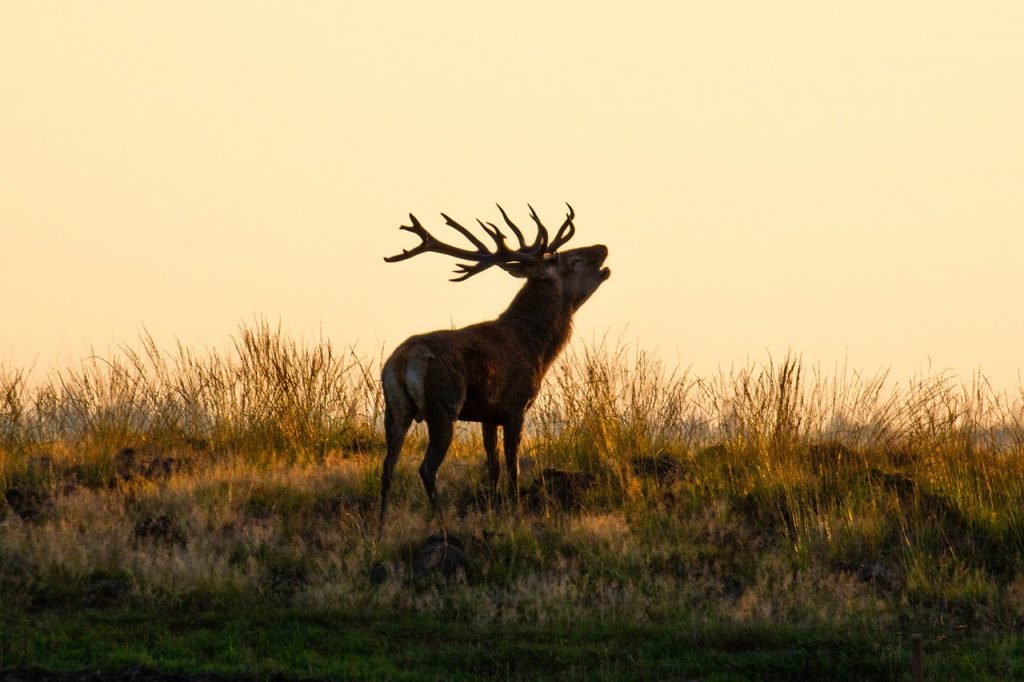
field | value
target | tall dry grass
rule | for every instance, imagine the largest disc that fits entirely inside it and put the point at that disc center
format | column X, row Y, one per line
column 764, row 492
column 266, row 394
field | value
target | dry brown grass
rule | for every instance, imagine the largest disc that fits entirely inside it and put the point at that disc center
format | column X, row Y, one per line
column 765, row 494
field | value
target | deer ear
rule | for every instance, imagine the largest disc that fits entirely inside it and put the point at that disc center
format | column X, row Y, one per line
column 548, row 269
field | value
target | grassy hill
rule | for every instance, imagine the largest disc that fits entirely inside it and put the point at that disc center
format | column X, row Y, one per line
column 215, row 513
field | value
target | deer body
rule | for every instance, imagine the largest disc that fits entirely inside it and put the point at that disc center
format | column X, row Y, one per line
column 488, row 372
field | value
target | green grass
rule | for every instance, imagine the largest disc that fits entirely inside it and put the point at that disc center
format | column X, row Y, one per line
column 304, row 644
column 216, row 513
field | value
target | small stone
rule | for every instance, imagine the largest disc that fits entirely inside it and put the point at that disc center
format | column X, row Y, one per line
column 440, row 555
column 378, row 573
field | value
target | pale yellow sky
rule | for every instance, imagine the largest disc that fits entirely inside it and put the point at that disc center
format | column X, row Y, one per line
column 839, row 179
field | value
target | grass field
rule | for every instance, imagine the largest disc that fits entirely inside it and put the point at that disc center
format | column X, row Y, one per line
column 215, row 513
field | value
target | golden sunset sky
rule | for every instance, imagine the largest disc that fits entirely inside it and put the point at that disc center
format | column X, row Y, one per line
column 843, row 180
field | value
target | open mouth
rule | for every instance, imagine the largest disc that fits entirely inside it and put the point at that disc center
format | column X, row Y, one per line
column 605, row 273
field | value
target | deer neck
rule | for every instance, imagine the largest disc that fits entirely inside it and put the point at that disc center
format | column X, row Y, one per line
column 540, row 319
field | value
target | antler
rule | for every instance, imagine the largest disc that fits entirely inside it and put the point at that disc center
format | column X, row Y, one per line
column 482, row 257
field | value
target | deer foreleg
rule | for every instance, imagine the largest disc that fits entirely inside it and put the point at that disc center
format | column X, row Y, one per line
column 490, row 432
column 511, row 432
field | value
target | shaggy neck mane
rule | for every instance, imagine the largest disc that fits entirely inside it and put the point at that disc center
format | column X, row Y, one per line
column 540, row 318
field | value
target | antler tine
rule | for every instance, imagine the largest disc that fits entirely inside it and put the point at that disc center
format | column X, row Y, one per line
column 429, row 244
column 419, row 231
column 565, row 232
column 541, row 242
column 512, row 226
column 466, row 271
column 494, row 233
column 466, row 233
column 492, row 227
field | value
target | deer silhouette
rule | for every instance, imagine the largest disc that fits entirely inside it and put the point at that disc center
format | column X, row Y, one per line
column 488, row 372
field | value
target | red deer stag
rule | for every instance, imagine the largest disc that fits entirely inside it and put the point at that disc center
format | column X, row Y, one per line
column 488, row 372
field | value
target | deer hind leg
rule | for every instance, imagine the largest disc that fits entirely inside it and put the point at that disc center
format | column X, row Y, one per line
column 398, row 415
column 396, row 425
column 445, row 389
column 490, row 433
column 440, row 430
